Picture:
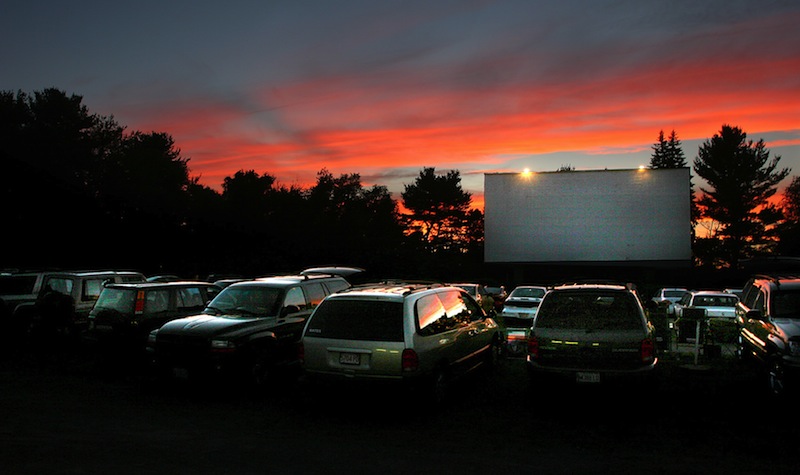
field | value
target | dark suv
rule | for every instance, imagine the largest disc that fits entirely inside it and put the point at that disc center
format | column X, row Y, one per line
column 54, row 301
column 592, row 333
column 125, row 314
column 768, row 318
column 248, row 330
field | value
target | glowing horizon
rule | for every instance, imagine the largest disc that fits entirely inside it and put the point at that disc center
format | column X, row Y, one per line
column 385, row 91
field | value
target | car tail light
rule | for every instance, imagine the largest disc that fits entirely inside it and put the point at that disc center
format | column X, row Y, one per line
column 138, row 306
column 533, row 347
column 410, row 360
column 647, row 350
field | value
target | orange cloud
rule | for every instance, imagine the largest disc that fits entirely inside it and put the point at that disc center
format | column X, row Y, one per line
column 358, row 125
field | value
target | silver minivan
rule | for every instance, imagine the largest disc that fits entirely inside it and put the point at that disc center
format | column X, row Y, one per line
column 422, row 334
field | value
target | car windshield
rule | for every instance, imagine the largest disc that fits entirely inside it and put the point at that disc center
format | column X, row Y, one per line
column 248, row 300
column 589, row 310
column 527, row 292
column 674, row 294
column 350, row 319
column 786, row 304
column 120, row 300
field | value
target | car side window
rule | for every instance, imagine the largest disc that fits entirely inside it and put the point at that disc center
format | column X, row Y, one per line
column 750, row 296
column 60, row 285
column 296, row 298
column 760, row 303
column 456, row 309
column 431, row 315
column 335, row 285
column 473, row 309
column 92, row 288
column 190, row 297
column 315, row 293
column 156, row 301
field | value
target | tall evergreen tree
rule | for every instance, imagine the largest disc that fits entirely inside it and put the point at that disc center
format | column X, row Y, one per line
column 667, row 152
column 741, row 178
column 789, row 230
column 438, row 208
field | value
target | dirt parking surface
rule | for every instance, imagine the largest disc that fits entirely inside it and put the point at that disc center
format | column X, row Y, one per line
column 61, row 416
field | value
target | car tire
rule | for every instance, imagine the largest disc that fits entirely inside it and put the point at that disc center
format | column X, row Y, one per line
column 439, row 387
column 776, row 378
column 494, row 357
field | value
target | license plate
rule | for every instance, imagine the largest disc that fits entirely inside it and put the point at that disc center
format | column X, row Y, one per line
column 350, row 358
column 588, row 377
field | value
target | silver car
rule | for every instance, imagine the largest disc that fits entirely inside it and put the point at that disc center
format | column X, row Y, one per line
column 401, row 333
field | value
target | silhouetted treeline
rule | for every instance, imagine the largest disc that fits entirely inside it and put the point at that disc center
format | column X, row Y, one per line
column 80, row 191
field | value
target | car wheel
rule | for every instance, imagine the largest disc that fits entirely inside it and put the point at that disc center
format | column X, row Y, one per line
column 776, row 378
column 439, row 384
column 494, row 356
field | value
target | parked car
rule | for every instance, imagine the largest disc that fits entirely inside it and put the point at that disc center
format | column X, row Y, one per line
column 522, row 304
column 65, row 298
column 412, row 335
column 737, row 292
column 591, row 333
column 479, row 293
column 769, row 329
column 516, row 319
column 247, row 331
column 124, row 314
column 717, row 304
column 714, row 304
column 668, row 297
column 164, row 278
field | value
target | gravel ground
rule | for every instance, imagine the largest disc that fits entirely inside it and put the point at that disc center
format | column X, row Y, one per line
column 60, row 415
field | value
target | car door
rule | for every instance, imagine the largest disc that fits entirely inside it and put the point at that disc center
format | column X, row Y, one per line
column 461, row 309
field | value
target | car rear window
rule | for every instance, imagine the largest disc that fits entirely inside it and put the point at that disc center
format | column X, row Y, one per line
column 527, row 293
column 589, row 310
column 352, row 319
column 120, row 300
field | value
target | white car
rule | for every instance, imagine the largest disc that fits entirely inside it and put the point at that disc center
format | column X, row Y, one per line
column 717, row 304
column 668, row 297
column 522, row 304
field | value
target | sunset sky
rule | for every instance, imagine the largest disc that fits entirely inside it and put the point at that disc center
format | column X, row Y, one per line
column 385, row 88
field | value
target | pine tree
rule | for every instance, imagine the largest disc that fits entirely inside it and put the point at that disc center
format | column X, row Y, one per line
column 741, row 178
column 667, row 153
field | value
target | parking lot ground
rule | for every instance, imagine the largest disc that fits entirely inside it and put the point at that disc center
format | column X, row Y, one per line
column 60, row 416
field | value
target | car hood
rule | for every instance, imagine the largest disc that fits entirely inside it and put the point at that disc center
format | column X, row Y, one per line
column 213, row 325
